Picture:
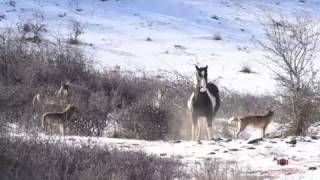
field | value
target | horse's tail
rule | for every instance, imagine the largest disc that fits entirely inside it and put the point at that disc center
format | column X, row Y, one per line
column 214, row 91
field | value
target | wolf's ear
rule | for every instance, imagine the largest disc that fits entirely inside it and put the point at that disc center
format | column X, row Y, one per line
column 206, row 66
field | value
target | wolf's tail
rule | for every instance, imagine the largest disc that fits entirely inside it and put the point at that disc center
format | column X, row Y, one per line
column 214, row 91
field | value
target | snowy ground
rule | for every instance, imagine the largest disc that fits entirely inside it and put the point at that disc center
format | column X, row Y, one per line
column 259, row 159
column 181, row 33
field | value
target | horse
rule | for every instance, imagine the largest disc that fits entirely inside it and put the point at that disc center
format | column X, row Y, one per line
column 60, row 119
column 203, row 102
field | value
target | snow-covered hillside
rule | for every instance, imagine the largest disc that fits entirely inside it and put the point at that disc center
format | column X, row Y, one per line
column 168, row 34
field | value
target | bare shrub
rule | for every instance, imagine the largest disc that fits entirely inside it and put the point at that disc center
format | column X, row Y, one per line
column 76, row 29
column 241, row 104
column 33, row 29
column 217, row 37
column 291, row 50
column 146, row 121
column 37, row 160
column 219, row 170
column 247, row 69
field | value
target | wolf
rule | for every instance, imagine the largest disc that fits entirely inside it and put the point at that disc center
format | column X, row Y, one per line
column 260, row 121
column 60, row 119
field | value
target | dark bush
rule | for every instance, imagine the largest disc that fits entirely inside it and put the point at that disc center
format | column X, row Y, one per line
column 35, row 160
column 146, row 121
column 247, row 69
column 243, row 104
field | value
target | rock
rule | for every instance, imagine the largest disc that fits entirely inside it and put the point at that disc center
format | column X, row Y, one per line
column 234, row 149
column 312, row 168
column 225, row 151
column 254, row 141
column 199, row 142
column 212, row 153
column 293, row 141
column 177, row 46
column 163, row 154
column 217, row 139
column 178, row 141
column 251, row 148
column 314, row 137
column 214, row 17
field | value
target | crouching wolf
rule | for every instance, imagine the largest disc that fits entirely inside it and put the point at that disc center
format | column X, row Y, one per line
column 260, row 122
column 51, row 120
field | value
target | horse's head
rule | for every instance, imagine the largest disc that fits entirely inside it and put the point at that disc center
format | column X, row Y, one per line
column 201, row 78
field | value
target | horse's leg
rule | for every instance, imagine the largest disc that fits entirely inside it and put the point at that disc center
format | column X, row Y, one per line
column 192, row 130
column 195, row 125
column 61, row 129
column 199, row 131
column 209, row 127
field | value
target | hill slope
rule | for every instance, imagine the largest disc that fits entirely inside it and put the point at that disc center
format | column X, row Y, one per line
column 167, row 35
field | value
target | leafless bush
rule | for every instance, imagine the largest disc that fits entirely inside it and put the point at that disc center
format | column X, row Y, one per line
column 146, row 121
column 35, row 160
column 247, row 69
column 242, row 104
column 217, row 37
column 219, row 170
column 76, row 29
column 33, row 29
column 291, row 50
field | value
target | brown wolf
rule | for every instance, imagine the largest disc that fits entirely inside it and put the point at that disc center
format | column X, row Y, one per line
column 257, row 121
column 60, row 119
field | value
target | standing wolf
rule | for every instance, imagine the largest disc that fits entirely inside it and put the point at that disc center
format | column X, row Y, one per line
column 50, row 120
column 203, row 102
column 260, row 122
